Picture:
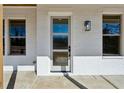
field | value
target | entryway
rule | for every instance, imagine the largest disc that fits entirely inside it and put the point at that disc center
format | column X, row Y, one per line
column 60, row 43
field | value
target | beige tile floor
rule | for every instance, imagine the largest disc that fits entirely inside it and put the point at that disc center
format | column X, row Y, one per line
column 26, row 80
column 93, row 82
column 116, row 80
column 54, row 82
column 6, row 78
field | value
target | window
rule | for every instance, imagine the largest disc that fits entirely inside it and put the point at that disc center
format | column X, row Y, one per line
column 17, row 37
column 3, row 36
column 111, row 34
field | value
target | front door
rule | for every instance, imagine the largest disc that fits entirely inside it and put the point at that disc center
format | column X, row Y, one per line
column 60, row 29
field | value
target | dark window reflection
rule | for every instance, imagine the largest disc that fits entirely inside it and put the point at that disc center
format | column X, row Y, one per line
column 17, row 37
column 111, row 45
column 17, row 46
column 60, row 41
column 111, row 28
column 17, row 27
column 60, row 25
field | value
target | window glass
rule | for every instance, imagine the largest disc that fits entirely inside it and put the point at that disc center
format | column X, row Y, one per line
column 111, row 28
column 17, row 37
column 60, row 58
column 111, row 34
column 111, row 45
column 17, row 27
column 60, row 41
column 60, row 25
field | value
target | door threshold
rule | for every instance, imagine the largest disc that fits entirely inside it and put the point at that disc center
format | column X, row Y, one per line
column 60, row 73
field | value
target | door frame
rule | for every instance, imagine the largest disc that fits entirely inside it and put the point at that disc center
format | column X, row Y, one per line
column 59, row 14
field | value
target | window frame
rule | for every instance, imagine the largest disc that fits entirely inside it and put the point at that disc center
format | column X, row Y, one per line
column 17, row 18
column 112, row 35
column 4, row 36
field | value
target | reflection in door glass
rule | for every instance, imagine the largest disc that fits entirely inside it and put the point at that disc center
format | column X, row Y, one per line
column 60, row 25
column 60, row 58
column 60, row 41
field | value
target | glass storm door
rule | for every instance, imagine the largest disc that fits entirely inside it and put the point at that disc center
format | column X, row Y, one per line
column 60, row 27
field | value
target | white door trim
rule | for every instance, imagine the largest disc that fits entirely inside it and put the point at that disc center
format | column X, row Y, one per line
column 60, row 14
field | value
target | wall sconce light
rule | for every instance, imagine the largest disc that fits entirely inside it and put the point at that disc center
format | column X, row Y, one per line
column 87, row 25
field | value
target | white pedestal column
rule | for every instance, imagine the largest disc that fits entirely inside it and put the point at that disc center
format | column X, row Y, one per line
column 43, row 65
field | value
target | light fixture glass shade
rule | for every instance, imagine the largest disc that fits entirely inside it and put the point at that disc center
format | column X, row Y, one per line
column 87, row 25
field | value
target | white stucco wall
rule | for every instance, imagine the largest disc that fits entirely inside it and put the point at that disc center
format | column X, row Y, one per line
column 30, row 16
column 87, row 43
column 82, row 43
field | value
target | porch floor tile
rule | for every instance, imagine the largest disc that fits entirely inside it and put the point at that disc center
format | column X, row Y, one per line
column 117, row 80
column 6, row 78
column 25, row 80
column 93, row 82
column 54, row 82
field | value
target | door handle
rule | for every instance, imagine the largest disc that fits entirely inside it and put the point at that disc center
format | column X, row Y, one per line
column 69, row 48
